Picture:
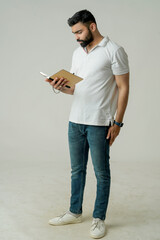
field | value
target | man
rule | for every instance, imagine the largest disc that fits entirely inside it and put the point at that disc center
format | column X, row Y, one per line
column 103, row 65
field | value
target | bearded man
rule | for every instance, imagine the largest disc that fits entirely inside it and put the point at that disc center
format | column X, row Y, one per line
column 96, row 116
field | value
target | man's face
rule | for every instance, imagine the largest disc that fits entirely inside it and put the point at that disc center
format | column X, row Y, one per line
column 83, row 34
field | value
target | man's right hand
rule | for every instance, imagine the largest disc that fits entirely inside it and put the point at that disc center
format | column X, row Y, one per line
column 57, row 83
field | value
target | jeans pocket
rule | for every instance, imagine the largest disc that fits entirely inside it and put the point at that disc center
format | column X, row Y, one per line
column 73, row 128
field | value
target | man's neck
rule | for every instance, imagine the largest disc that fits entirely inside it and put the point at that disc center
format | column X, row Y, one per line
column 94, row 43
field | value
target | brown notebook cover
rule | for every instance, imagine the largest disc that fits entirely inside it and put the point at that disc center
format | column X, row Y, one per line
column 73, row 79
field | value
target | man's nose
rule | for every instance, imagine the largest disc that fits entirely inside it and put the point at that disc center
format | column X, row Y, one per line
column 77, row 37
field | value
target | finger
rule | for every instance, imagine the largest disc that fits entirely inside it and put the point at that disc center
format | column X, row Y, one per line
column 109, row 133
column 57, row 83
column 110, row 142
column 64, row 83
column 53, row 82
column 56, row 80
column 112, row 139
column 58, row 87
column 61, row 83
column 111, row 136
column 48, row 80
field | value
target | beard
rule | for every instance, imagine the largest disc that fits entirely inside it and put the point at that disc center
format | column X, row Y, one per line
column 88, row 39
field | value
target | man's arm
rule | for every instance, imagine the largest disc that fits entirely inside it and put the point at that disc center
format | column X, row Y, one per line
column 123, row 92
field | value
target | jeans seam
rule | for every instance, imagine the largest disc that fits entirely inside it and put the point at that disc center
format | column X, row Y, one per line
column 106, row 163
column 81, row 190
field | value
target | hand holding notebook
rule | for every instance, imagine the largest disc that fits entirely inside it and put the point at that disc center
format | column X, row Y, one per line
column 71, row 78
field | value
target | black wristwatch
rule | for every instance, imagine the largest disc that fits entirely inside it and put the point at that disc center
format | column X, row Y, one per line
column 118, row 124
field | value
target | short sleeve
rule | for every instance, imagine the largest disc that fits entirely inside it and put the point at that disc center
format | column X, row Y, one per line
column 120, row 62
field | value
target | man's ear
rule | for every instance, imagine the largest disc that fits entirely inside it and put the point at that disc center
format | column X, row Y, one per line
column 93, row 27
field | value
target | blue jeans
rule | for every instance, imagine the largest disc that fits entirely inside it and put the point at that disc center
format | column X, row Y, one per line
column 82, row 138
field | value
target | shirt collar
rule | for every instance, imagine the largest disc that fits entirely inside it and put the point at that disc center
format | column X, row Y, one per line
column 103, row 42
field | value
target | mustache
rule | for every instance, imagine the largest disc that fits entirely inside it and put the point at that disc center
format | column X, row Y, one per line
column 80, row 40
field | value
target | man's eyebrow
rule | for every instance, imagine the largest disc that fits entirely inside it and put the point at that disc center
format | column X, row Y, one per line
column 77, row 31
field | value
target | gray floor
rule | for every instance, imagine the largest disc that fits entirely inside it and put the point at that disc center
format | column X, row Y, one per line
column 33, row 192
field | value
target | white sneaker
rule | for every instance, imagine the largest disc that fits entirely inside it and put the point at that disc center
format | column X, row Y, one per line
column 66, row 218
column 97, row 228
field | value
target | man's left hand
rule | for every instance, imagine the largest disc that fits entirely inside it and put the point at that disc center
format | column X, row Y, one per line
column 113, row 132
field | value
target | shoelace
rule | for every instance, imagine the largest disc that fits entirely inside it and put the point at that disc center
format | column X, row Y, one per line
column 96, row 224
column 61, row 216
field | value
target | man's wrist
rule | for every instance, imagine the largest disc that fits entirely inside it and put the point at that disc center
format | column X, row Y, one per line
column 119, row 124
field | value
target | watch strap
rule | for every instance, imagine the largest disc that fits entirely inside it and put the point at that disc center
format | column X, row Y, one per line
column 118, row 124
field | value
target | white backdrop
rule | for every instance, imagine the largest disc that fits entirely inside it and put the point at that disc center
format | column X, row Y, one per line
column 35, row 37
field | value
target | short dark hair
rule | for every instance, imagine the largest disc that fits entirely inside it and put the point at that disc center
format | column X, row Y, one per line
column 83, row 16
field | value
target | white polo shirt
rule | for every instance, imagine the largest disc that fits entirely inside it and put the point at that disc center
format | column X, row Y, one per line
column 95, row 97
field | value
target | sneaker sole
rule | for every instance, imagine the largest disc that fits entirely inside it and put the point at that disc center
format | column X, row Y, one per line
column 65, row 223
column 97, row 236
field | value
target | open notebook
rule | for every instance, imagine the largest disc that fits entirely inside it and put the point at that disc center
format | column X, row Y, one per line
column 72, row 78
